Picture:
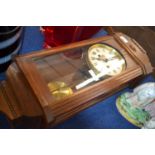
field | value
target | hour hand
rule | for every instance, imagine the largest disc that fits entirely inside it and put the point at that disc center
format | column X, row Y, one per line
column 100, row 59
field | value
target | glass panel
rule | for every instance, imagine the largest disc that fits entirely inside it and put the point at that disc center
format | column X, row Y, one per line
column 75, row 69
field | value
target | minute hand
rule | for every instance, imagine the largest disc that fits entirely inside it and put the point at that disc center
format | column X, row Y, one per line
column 90, row 80
column 112, row 58
column 105, row 59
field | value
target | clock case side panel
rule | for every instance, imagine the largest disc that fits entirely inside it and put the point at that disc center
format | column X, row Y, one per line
column 22, row 91
column 23, row 110
column 136, row 52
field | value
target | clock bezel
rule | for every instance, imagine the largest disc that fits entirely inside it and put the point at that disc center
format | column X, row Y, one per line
column 91, row 66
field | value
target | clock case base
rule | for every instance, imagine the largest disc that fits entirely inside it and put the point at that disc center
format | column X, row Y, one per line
column 11, row 101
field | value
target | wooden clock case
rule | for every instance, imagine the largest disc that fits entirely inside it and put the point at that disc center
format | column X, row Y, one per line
column 27, row 102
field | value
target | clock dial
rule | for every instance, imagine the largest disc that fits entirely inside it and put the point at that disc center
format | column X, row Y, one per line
column 104, row 58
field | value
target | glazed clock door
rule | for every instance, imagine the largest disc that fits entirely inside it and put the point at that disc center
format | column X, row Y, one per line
column 67, row 73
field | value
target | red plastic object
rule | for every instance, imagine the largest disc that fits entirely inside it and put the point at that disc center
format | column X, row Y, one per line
column 58, row 35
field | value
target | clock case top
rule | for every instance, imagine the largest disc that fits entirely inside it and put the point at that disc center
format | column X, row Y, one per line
column 30, row 95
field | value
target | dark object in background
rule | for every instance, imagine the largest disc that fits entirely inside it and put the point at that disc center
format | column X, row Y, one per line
column 10, row 44
column 144, row 35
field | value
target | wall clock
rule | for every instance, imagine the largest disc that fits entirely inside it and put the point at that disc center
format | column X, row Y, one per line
column 47, row 87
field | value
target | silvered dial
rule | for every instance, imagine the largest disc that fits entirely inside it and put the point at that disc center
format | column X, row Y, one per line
column 104, row 58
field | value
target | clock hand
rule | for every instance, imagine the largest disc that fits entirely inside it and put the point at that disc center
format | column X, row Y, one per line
column 92, row 79
column 112, row 58
column 100, row 59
